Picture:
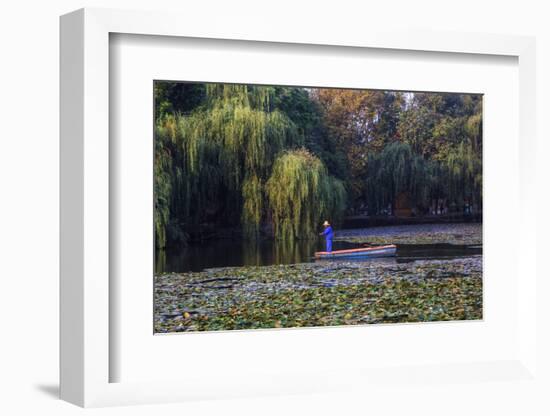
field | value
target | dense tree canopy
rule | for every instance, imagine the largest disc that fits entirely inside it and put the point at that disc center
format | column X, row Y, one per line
column 298, row 182
column 278, row 160
column 214, row 163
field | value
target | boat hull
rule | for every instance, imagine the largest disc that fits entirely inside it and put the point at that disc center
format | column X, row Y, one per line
column 367, row 252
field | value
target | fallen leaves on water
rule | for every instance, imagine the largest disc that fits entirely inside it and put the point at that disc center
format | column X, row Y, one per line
column 319, row 294
column 459, row 234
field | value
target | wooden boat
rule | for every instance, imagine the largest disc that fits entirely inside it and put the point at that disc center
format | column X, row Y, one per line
column 379, row 251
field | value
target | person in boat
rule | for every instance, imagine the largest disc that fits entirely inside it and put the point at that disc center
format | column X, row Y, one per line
column 329, row 234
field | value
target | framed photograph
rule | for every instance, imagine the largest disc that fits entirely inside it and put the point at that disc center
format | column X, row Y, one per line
column 247, row 177
column 258, row 214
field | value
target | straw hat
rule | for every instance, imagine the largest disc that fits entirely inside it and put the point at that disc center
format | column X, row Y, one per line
column 326, row 223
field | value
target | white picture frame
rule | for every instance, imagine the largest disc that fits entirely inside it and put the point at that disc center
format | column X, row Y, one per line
column 85, row 217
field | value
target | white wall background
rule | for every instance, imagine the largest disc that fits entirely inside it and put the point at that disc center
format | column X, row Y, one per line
column 29, row 114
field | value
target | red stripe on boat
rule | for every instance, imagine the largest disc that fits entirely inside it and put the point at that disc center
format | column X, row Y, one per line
column 354, row 250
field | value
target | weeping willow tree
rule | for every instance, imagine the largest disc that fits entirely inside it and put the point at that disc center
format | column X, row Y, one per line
column 163, row 189
column 464, row 175
column 300, row 193
column 397, row 169
column 215, row 161
column 232, row 155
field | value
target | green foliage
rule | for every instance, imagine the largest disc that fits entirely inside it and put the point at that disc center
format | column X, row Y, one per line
column 171, row 97
column 301, row 192
column 256, row 156
column 252, row 192
column 416, row 128
column 162, row 189
column 367, row 124
column 222, row 152
column 464, row 174
column 395, row 170
column 398, row 169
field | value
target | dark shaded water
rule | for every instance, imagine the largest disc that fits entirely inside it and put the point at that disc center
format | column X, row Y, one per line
column 227, row 253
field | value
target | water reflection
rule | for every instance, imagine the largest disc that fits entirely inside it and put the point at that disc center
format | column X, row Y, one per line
column 225, row 253
column 231, row 253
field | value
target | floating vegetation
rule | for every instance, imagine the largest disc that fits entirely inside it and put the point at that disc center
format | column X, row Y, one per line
column 319, row 294
column 459, row 234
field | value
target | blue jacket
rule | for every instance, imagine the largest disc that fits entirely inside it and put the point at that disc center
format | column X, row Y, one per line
column 328, row 233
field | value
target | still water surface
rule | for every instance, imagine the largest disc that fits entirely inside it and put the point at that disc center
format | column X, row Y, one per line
column 230, row 253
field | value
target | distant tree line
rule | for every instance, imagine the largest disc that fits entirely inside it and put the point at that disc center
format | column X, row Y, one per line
column 278, row 160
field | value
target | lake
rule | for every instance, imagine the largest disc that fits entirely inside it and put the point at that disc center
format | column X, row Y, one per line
column 225, row 284
column 414, row 242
